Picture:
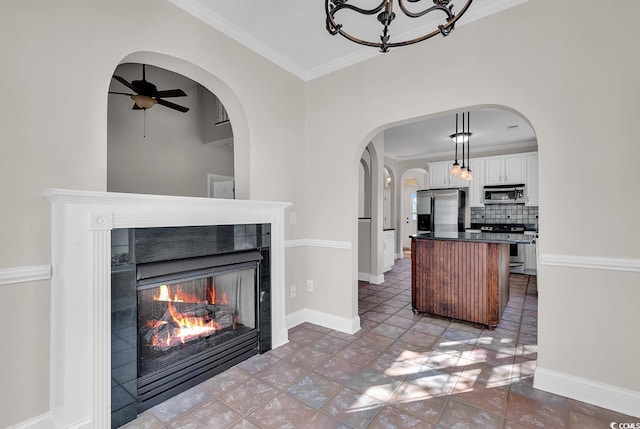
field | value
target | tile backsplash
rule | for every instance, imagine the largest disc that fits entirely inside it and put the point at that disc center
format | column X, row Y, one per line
column 504, row 213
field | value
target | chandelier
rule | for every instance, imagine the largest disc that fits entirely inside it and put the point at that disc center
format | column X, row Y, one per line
column 386, row 15
column 462, row 137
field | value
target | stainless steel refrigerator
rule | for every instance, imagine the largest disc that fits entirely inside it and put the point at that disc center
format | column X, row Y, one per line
column 440, row 210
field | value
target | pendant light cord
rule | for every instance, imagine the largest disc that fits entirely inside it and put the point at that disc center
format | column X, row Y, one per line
column 456, row 138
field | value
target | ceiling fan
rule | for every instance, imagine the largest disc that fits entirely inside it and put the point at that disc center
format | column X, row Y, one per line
column 147, row 95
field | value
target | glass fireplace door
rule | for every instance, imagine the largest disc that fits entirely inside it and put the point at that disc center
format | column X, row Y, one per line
column 183, row 317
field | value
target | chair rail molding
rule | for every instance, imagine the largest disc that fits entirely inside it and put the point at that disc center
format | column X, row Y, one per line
column 593, row 262
column 24, row 274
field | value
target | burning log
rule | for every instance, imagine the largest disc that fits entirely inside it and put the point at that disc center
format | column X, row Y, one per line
column 224, row 316
column 194, row 321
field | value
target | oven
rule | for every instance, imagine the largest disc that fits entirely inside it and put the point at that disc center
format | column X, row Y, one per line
column 516, row 258
column 516, row 251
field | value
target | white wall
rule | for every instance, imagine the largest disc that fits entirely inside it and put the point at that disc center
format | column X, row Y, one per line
column 57, row 62
column 575, row 84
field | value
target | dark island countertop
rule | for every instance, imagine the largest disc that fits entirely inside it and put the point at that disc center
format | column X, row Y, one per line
column 482, row 237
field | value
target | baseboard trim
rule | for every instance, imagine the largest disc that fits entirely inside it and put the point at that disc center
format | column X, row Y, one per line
column 376, row 280
column 341, row 324
column 603, row 395
column 592, row 262
column 363, row 277
column 24, row 274
column 318, row 243
column 48, row 421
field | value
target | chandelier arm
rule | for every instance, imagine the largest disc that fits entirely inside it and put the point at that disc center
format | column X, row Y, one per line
column 331, row 11
column 442, row 29
column 359, row 41
column 416, row 40
column 334, row 28
column 433, row 8
column 331, row 7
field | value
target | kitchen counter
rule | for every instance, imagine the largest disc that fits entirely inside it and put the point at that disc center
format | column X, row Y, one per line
column 481, row 237
column 462, row 275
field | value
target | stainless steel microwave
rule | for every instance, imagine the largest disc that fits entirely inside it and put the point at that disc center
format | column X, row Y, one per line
column 509, row 194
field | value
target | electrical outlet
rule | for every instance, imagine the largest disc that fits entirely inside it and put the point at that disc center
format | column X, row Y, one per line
column 292, row 218
column 293, row 291
column 310, row 285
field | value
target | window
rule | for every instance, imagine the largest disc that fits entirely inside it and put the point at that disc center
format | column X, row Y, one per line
column 414, row 206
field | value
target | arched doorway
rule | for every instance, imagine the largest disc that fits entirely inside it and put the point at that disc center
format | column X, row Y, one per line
column 412, row 180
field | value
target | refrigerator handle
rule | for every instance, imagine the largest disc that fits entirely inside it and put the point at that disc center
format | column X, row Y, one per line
column 432, row 226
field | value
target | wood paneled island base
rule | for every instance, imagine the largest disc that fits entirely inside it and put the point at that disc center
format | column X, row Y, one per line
column 464, row 280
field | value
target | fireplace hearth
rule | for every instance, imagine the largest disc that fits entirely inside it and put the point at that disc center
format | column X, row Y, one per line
column 187, row 304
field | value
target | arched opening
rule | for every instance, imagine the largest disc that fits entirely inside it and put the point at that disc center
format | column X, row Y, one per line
column 179, row 142
column 412, row 180
column 421, row 151
column 215, row 126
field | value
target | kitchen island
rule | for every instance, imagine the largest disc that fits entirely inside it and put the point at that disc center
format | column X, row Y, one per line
column 462, row 275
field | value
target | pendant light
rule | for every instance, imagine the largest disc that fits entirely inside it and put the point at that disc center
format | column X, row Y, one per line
column 464, row 171
column 455, row 168
column 469, row 175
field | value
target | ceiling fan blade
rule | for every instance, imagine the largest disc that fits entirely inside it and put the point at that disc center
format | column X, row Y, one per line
column 171, row 105
column 171, row 93
column 125, row 83
column 121, row 93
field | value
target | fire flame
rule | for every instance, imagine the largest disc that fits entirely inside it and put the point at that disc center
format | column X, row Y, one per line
column 183, row 327
column 187, row 328
column 212, row 297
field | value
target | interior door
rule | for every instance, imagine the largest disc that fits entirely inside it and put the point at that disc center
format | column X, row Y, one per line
column 223, row 189
column 409, row 216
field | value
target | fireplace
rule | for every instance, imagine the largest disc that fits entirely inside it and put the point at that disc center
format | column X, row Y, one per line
column 81, row 349
column 187, row 304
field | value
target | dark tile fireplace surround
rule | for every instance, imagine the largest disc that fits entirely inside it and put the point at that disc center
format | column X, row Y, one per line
column 187, row 303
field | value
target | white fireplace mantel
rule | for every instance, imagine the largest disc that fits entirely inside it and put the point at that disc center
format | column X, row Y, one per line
column 80, row 350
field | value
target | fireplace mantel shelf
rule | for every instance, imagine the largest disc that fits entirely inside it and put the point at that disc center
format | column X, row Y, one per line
column 71, row 196
column 82, row 221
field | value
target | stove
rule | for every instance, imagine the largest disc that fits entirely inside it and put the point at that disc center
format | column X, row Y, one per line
column 503, row 227
column 516, row 251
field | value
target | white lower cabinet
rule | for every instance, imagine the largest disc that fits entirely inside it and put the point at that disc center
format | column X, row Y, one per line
column 388, row 244
column 530, row 258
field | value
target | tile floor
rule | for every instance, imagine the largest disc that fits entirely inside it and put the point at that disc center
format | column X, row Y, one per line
column 399, row 371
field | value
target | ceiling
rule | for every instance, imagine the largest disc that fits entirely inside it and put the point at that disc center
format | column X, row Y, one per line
column 292, row 34
column 492, row 131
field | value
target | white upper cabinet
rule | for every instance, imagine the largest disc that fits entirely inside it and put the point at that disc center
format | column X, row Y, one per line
column 439, row 176
column 505, row 170
column 476, row 186
column 515, row 169
column 531, row 189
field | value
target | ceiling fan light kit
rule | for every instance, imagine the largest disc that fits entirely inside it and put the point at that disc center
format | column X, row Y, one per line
column 144, row 102
column 146, row 94
column 385, row 15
